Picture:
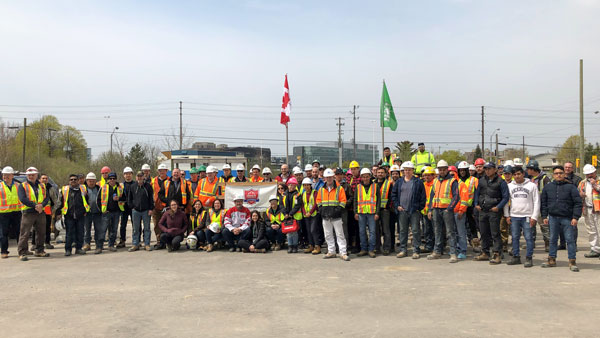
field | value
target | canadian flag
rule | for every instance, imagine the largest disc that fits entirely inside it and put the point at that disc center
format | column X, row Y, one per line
column 285, row 105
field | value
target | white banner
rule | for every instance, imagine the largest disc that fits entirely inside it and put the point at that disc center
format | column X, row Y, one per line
column 256, row 195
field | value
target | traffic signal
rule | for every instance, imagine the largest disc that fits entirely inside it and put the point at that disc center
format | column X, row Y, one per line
column 577, row 163
column 594, row 160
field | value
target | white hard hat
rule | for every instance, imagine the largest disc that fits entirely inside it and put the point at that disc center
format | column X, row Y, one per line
column 239, row 167
column 31, row 170
column 509, row 162
column 191, row 241
column 408, row 164
column 212, row 169
column 472, row 167
column 162, row 166
column 267, row 170
column 365, row 171
column 127, row 170
column 90, row 176
column 296, row 167
column 145, row 166
column 8, row 170
column 307, row 181
column 395, row 167
column 308, row 167
column 328, row 173
column 463, row 165
column 518, row 161
column 442, row 163
column 273, row 197
column 256, row 166
column 214, row 227
column 238, row 197
column 588, row 169
column 297, row 171
column 226, row 166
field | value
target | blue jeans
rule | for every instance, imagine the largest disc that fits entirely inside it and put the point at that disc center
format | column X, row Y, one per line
column 556, row 225
column 292, row 238
column 443, row 218
column 516, row 224
column 365, row 220
column 230, row 237
column 110, row 221
column 97, row 220
column 275, row 236
column 404, row 220
column 74, row 233
column 461, row 229
column 212, row 237
column 137, row 217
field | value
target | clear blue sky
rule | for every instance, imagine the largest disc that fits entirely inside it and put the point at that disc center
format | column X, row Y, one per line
column 460, row 53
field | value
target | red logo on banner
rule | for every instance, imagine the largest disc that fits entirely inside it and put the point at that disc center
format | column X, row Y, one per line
column 251, row 196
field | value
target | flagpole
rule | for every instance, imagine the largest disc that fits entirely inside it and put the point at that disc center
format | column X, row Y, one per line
column 287, row 149
column 382, row 138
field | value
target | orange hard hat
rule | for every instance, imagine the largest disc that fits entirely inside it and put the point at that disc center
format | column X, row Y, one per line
column 105, row 170
column 479, row 161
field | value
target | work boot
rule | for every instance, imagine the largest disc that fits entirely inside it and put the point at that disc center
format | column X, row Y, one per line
column 345, row 258
column 41, row 254
column 29, row 253
column 372, row 254
column 86, row 247
column 4, row 255
column 401, row 254
column 308, row 249
column 48, row 246
column 23, row 258
column 295, row 249
column 158, row 246
column 277, row 247
column 260, row 250
column 121, row 244
column 546, row 245
column 453, row 259
column 433, row 256
column 67, row 253
column 329, row 255
column 98, row 251
column 316, row 250
column 147, row 248
column 134, row 248
column 80, row 252
column 482, row 257
column 550, row 263
column 592, row 254
column 290, row 249
column 362, row 253
column 209, row 248
column 573, row 266
column 516, row 260
column 495, row 259
column 528, row 262
column 32, row 247
column 416, row 256
column 112, row 248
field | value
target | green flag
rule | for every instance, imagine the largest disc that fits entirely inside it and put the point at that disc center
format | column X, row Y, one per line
column 387, row 117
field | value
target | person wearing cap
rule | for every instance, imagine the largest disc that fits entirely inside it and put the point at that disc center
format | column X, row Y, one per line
column 500, row 168
column 561, row 208
column 444, row 198
column 10, row 208
column 388, row 157
column 340, row 179
column 194, row 179
column 104, row 172
column 427, row 232
column 33, row 197
column 240, row 172
column 570, row 174
column 74, row 207
column 159, row 206
column 255, row 174
column 521, row 214
column 227, row 177
column 490, row 197
column 422, row 158
column 471, row 182
column 126, row 214
column 274, row 216
column 237, row 223
column 589, row 190
column 311, row 225
column 208, row 189
column 284, row 175
column 331, row 201
column 141, row 202
column 537, row 176
column 94, row 216
column 366, row 212
column 267, row 175
column 408, row 197
column 147, row 175
column 112, row 200
column 202, row 172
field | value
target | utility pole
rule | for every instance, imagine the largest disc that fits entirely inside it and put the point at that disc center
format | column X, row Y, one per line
column 483, row 131
column 581, row 129
column 180, row 125
column 496, row 148
column 68, row 147
column 50, row 130
column 24, row 140
column 340, row 142
column 354, row 118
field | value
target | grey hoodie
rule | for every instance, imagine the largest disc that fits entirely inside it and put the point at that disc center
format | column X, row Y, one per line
column 524, row 200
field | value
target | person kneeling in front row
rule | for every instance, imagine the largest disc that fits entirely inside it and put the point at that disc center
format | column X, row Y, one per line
column 173, row 225
column 258, row 243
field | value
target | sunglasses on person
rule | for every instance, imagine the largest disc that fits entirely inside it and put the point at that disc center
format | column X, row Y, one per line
column 112, row 178
column 73, row 179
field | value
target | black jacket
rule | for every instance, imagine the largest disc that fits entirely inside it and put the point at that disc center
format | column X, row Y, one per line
column 258, row 231
column 561, row 199
column 140, row 198
column 419, row 197
column 573, row 179
column 76, row 208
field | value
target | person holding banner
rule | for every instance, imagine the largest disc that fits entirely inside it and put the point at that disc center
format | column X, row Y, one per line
column 237, row 223
column 256, row 174
column 331, row 200
column 227, row 177
column 240, row 174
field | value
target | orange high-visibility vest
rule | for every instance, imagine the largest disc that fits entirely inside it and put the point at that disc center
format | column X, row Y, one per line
column 595, row 195
column 463, row 192
column 472, row 182
column 157, row 182
column 255, row 180
column 442, row 193
column 428, row 190
column 9, row 198
column 182, row 187
column 367, row 201
column 30, row 193
column 334, row 198
column 206, row 192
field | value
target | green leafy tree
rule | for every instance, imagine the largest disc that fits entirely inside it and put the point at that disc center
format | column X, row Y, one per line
column 136, row 157
column 405, row 150
column 452, row 156
column 478, row 153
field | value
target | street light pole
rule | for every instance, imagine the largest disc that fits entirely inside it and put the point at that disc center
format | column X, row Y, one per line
column 581, row 129
column 497, row 129
column 373, row 144
column 111, row 139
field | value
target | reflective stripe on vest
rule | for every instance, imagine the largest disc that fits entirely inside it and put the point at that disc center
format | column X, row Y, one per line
column 298, row 215
column 65, row 192
column 595, row 195
column 206, row 192
column 309, row 204
column 443, row 193
column 216, row 217
column 182, row 187
column 275, row 219
column 367, row 202
column 428, row 191
column 470, row 183
column 330, row 203
column 9, row 198
column 255, row 180
column 195, row 220
column 104, row 197
column 30, row 193
column 384, row 193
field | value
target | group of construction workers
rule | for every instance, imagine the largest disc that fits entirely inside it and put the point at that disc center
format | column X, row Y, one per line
column 441, row 208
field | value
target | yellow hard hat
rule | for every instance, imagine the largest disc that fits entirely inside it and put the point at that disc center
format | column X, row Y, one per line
column 354, row 164
column 429, row 170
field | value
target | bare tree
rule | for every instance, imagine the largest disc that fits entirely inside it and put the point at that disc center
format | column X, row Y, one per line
column 171, row 141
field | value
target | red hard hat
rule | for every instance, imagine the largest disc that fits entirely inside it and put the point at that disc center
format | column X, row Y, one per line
column 452, row 168
column 105, row 170
column 480, row 161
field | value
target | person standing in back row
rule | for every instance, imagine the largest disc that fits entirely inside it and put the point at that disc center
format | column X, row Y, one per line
column 33, row 196
column 74, row 207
